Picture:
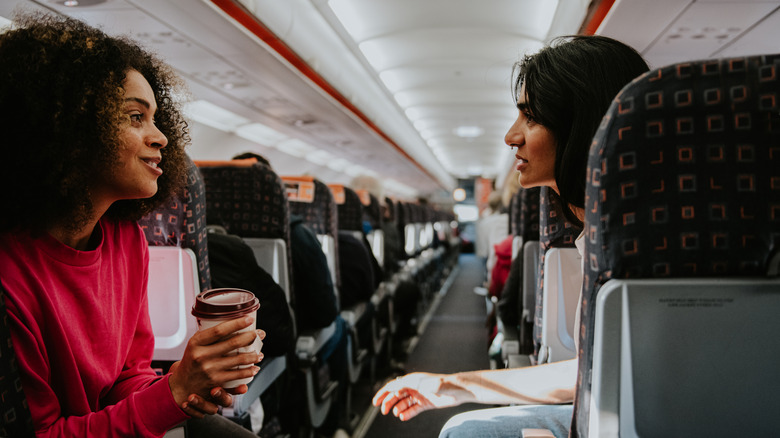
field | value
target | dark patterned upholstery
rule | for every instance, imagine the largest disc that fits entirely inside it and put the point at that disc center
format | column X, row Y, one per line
column 402, row 217
column 321, row 215
column 524, row 214
column 247, row 198
column 181, row 222
column 350, row 211
column 683, row 181
column 372, row 211
column 554, row 232
column 391, row 207
column 15, row 419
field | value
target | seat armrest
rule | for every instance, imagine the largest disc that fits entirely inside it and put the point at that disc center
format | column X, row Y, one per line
column 537, row 433
column 310, row 342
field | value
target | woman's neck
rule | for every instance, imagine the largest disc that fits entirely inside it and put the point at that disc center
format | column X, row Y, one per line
column 82, row 239
column 579, row 212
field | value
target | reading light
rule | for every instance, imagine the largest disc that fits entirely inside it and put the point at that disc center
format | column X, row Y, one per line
column 465, row 131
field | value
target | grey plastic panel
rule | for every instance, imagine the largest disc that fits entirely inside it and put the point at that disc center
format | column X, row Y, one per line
column 530, row 278
column 562, row 285
column 686, row 358
column 271, row 255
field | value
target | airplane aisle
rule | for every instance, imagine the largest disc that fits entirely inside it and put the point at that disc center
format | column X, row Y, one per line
column 455, row 339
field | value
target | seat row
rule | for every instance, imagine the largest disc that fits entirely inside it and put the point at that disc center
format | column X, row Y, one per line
column 248, row 199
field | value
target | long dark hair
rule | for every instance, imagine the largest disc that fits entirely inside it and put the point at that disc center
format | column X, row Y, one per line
column 569, row 85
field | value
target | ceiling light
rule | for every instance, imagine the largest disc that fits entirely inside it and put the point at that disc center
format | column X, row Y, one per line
column 467, row 131
column 212, row 115
column 77, row 3
column 295, row 147
column 338, row 164
column 319, row 157
column 259, row 133
column 459, row 195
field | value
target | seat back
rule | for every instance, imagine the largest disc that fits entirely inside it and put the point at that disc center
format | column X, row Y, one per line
column 313, row 200
column 372, row 214
column 524, row 225
column 178, row 265
column 247, row 198
column 559, row 278
column 682, row 222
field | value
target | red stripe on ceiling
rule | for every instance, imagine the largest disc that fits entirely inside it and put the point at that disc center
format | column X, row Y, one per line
column 239, row 13
column 598, row 16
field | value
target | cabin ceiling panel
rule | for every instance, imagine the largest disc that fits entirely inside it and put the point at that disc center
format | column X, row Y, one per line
column 638, row 22
column 759, row 40
column 369, row 19
column 451, row 74
column 705, row 28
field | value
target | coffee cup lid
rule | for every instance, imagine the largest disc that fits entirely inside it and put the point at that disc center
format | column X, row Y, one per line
column 224, row 303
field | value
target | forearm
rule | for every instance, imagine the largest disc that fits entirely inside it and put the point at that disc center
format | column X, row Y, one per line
column 146, row 413
column 544, row 384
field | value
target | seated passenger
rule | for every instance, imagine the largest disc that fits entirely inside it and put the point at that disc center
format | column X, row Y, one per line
column 315, row 307
column 561, row 94
column 93, row 140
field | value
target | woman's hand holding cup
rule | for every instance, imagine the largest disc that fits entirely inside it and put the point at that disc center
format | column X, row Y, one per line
column 210, row 361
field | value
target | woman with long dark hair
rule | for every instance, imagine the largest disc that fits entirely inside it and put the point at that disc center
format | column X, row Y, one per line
column 561, row 94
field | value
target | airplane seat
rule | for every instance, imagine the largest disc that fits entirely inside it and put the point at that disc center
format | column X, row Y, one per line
column 394, row 241
column 372, row 214
column 680, row 297
column 314, row 202
column 16, row 419
column 178, row 267
column 247, row 199
column 516, row 307
column 178, row 271
column 350, row 224
column 559, row 280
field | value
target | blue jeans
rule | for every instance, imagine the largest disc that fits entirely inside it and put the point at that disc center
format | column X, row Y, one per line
column 509, row 422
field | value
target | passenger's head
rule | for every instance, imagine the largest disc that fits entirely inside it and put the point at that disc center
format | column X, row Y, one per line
column 370, row 184
column 566, row 88
column 64, row 122
column 253, row 156
column 495, row 202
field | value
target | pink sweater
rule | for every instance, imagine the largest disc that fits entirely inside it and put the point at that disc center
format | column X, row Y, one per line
column 81, row 330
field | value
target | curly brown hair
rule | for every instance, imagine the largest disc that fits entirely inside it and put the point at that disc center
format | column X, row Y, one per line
column 61, row 100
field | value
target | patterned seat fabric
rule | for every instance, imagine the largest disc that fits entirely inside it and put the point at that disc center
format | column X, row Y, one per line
column 524, row 214
column 683, row 181
column 390, row 206
column 181, row 222
column 15, row 418
column 402, row 217
column 247, row 198
column 372, row 210
column 320, row 213
column 555, row 231
column 350, row 211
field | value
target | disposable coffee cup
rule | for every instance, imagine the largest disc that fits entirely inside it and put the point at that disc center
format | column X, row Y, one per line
column 215, row 306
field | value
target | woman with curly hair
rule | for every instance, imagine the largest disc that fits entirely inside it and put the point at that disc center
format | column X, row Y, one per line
column 92, row 140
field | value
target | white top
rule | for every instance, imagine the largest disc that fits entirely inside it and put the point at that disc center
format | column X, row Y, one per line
column 580, row 244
